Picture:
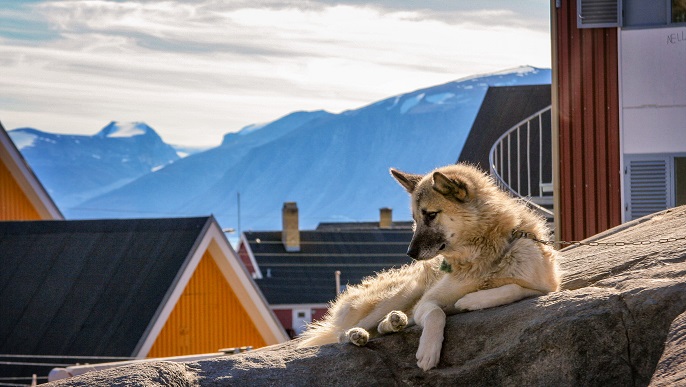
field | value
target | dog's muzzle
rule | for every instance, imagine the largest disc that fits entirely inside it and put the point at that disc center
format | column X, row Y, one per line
column 419, row 251
column 413, row 251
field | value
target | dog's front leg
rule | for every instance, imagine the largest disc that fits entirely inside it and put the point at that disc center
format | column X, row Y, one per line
column 432, row 320
column 490, row 298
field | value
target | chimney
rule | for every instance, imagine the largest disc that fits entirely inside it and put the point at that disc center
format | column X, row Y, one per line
column 290, row 235
column 385, row 217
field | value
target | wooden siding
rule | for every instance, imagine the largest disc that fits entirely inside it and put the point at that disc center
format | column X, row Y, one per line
column 207, row 317
column 587, row 117
column 14, row 205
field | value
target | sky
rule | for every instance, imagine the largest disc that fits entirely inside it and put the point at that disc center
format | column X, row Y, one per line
column 195, row 70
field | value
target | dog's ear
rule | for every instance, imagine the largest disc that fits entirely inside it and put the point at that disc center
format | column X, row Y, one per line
column 450, row 188
column 407, row 180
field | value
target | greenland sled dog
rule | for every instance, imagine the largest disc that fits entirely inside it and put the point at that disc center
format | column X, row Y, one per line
column 473, row 250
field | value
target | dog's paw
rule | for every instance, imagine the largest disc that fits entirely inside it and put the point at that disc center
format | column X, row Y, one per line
column 357, row 336
column 471, row 301
column 398, row 320
column 428, row 355
column 393, row 322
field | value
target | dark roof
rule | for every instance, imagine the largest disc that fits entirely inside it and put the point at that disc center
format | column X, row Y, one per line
column 88, row 287
column 338, row 226
column 307, row 276
column 502, row 108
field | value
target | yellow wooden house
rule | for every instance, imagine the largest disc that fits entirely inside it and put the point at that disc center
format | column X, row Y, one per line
column 132, row 288
column 113, row 288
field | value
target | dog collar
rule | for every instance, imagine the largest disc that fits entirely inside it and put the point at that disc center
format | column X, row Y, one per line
column 446, row 267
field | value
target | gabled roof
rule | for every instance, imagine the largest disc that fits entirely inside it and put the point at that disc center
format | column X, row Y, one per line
column 106, row 287
column 307, row 276
column 26, row 179
column 337, row 226
column 502, row 108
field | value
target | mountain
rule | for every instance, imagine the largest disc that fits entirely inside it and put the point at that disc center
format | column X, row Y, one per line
column 75, row 168
column 163, row 192
column 335, row 166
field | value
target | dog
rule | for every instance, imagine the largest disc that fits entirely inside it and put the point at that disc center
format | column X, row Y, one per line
column 474, row 248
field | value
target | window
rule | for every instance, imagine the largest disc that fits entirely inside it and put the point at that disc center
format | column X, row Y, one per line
column 653, row 183
column 598, row 13
column 301, row 317
column 640, row 13
column 678, row 11
column 680, row 181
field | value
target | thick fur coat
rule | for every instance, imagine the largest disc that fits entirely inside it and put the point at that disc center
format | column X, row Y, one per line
column 470, row 255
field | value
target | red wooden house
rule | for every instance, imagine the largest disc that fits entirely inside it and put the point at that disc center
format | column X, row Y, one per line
column 619, row 111
column 301, row 271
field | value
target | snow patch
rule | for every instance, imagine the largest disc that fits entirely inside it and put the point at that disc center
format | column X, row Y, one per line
column 439, row 99
column 520, row 71
column 22, row 139
column 410, row 103
column 395, row 102
column 127, row 129
column 251, row 128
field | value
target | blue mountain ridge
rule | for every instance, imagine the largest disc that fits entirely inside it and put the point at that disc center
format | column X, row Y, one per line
column 74, row 168
column 335, row 166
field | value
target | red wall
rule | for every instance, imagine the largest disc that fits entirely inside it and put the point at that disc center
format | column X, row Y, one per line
column 285, row 317
column 586, row 70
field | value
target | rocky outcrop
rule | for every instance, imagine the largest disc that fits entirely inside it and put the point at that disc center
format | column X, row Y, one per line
column 618, row 321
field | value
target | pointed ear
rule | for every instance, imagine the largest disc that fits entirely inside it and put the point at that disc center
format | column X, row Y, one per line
column 407, row 180
column 450, row 188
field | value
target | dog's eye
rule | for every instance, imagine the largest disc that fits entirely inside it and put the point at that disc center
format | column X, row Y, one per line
column 431, row 215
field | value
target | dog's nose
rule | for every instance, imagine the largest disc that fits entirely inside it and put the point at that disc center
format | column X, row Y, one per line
column 413, row 251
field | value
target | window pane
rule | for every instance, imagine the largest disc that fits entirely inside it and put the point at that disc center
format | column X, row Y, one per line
column 680, row 180
column 646, row 12
column 678, row 11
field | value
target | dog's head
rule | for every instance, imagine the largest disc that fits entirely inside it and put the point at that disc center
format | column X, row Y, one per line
column 443, row 207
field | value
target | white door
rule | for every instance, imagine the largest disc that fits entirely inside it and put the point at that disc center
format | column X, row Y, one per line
column 301, row 317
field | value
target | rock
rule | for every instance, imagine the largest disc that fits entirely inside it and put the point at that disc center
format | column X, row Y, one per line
column 671, row 369
column 160, row 373
column 619, row 320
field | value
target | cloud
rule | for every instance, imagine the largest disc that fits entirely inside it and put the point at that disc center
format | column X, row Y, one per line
column 196, row 70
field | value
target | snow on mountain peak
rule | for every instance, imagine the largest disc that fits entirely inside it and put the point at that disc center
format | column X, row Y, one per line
column 125, row 129
column 251, row 128
column 410, row 103
column 520, row 71
column 22, row 139
column 440, row 98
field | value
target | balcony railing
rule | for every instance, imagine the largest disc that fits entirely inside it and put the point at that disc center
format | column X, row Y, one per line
column 521, row 161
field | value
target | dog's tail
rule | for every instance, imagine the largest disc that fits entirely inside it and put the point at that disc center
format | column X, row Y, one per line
column 319, row 333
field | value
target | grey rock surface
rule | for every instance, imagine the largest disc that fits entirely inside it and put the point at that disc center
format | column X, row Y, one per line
column 619, row 320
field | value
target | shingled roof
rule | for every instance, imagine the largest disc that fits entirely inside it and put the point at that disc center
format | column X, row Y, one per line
column 307, row 276
column 74, row 285
column 99, row 287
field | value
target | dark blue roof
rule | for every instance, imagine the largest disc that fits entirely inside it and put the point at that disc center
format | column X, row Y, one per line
column 307, row 276
column 88, row 287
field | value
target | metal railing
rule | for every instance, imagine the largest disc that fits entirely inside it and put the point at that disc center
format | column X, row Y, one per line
column 521, row 160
